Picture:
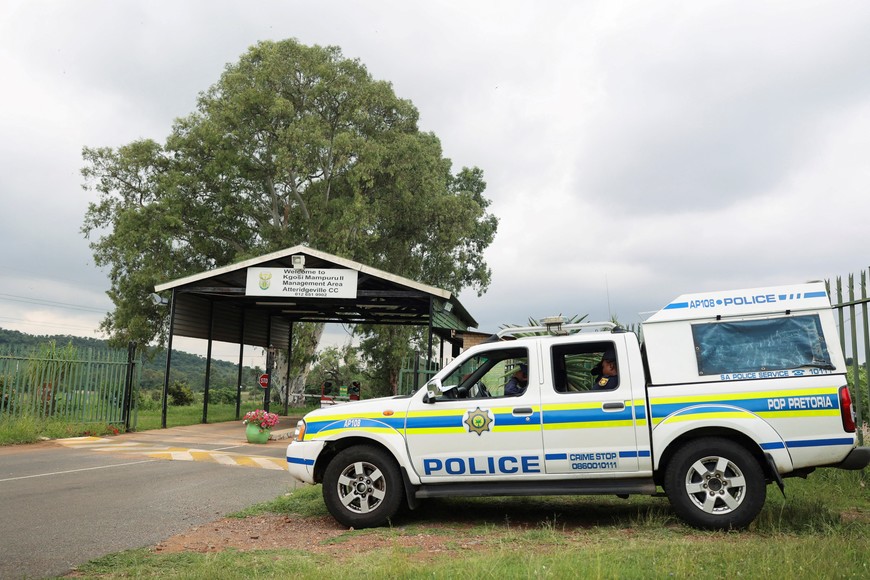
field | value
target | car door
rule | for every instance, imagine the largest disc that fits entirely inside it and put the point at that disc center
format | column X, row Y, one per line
column 473, row 431
column 588, row 421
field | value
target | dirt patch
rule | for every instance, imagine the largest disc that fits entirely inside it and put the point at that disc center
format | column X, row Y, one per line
column 263, row 532
column 437, row 525
column 318, row 535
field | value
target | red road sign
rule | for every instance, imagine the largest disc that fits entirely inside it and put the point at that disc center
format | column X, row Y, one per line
column 264, row 381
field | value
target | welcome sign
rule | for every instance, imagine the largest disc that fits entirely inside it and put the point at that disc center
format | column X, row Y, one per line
column 301, row 283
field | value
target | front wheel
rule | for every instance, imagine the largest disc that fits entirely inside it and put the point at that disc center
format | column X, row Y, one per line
column 715, row 484
column 362, row 487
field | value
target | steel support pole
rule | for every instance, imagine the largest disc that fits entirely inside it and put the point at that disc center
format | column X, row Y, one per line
column 208, row 361
column 268, row 393
column 429, row 348
column 241, row 367
column 168, row 358
column 287, row 378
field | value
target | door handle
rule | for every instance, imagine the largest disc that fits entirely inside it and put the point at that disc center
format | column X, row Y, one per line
column 522, row 411
column 618, row 406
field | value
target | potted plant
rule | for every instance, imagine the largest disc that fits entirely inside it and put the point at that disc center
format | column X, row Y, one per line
column 259, row 425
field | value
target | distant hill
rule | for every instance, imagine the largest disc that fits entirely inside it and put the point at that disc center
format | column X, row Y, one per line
column 187, row 368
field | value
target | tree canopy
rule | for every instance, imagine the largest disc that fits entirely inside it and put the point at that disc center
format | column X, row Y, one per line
column 293, row 144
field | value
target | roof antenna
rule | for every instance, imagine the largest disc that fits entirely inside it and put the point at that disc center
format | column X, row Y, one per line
column 607, row 287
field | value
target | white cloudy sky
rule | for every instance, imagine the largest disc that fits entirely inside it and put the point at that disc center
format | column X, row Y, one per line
column 633, row 150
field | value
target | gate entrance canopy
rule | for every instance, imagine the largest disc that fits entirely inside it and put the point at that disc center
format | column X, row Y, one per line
column 254, row 302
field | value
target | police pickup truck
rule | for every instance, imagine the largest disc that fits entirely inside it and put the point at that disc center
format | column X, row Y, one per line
column 728, row 392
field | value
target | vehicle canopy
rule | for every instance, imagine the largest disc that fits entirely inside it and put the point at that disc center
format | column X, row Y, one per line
column 755, row 333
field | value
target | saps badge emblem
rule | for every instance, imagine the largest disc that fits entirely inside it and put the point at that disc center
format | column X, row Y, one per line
column 478, row 421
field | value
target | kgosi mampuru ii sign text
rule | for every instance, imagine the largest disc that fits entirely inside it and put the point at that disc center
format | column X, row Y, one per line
column 301, row 283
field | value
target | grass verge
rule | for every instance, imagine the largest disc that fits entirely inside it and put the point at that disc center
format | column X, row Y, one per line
column 217, row 413
column 820, row 530
column 17, row 430
column 25, row 429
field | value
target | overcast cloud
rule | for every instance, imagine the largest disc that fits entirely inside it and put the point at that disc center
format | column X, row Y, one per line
column 634, row 151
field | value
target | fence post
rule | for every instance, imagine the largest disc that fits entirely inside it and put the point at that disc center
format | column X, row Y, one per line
column 864, row 308
column 128, row 385
column 856, row 378
column 416, row 371
column 852, row 302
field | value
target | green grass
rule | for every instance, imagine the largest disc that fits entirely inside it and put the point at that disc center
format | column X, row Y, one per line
column 18, row 430
column 305, row 501
column 25, row 429
column 820, row 530
column 595, row 554
column 217, row 413
column 191, row 414
column 229, row 565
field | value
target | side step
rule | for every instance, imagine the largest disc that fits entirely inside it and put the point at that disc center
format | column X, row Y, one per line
column 638, row 486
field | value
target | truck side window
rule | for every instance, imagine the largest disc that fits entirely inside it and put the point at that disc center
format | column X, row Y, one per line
column 487, row 374
column 583, row 367
column 745, row 346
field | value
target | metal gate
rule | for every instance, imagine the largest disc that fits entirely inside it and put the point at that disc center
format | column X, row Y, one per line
column 92, row 386
column 414, row 373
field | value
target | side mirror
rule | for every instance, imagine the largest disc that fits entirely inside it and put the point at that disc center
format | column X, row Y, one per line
column 433, row 390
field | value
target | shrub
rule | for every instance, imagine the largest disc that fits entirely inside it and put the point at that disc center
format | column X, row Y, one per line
column 180, row 394
column 147, row 400
column 226, row 395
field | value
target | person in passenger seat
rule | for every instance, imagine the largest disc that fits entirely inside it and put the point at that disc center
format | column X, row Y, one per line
column 517, row 384
column 607, row 378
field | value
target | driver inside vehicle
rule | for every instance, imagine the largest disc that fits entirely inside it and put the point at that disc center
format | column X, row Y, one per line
column 517, row 384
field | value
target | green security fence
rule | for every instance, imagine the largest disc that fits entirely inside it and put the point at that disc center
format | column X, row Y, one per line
column 851, row 305
column 414, row 373
column 89, row 386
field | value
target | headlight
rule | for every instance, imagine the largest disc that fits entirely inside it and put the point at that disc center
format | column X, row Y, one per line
column 299, row 434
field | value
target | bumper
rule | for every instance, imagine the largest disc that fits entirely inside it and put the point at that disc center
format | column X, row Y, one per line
column 858, row 458
column 301, row 458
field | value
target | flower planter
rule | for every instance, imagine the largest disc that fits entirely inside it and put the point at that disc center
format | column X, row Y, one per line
column 255, row 434
column 258, row 425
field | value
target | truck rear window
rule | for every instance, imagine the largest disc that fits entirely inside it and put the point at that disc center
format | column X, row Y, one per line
column 760, row 345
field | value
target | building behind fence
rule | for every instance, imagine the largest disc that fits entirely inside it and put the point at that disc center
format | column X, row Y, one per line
column 90, row 386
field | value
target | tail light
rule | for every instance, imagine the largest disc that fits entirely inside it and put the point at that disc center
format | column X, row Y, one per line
column 847, row 411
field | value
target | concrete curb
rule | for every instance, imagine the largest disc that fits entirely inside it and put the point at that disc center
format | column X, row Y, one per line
column 282, row 434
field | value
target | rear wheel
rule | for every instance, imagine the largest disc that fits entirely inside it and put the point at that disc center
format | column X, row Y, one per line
column 362, row 487
column 715, row 484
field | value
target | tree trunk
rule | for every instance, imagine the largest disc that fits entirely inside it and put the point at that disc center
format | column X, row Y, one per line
column 298, row 376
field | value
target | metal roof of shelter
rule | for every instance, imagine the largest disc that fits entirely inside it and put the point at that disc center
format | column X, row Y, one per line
column 215, row 305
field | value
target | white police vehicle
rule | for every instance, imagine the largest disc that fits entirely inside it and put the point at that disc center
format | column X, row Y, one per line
column 729, row 392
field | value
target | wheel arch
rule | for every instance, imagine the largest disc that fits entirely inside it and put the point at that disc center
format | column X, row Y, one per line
column 334, row 447
column 728, row 433
column 748, row 429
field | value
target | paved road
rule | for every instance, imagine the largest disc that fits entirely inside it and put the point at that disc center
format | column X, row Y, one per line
column 61, row 506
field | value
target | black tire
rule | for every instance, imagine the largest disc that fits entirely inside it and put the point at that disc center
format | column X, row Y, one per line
column 715, row 484
column 362, row 487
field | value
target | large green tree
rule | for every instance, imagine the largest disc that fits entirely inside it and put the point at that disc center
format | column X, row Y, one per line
column 294, row 144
